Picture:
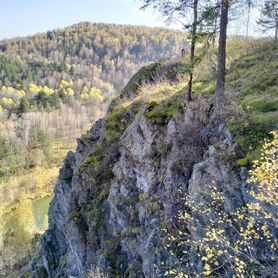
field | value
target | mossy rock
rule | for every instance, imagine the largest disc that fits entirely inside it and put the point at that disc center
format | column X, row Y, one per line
column 27, row 274
column 41, row 273
column 163, row 112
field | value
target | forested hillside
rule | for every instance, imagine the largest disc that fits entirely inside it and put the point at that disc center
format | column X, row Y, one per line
column 53, row 86
column 90, row 55
column 73, row 73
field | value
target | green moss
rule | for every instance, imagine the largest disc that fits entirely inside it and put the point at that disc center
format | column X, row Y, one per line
column 152, row 104
column 75, row 215
column 98, row 216
column 161, row 113
column 42, row 273
column 115, row 123
column 27, row 274
column 88, row 161
column 217, row 147
column 107, row 254
column 244, row 162
column 249, row 158
column 104, row 194
column 113, row 255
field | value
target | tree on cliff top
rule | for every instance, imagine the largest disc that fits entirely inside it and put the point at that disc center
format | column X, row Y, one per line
column 201, row 24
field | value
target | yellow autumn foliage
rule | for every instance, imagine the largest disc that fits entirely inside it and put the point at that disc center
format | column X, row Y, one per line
column 70, row 92
column 66, row 84
column 96, row 94
column 84, row 96
column 7, row 101
column 48, row 91
column 33, row 88
column 265, row 175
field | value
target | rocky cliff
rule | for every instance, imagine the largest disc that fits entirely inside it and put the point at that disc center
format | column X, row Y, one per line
column 121, row 187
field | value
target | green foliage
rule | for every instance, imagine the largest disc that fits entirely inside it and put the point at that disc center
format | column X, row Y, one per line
column 46, row 60
column 9, row 161
column 246, row 161
column 152, row 104
column 75, row 215
column 27, row 274
column 268, row 19
column 262, row 104
column 24, row 106
column 44, row 142
column 13, row 70
column 97, row 215
column 113, row 255
column 48, row 102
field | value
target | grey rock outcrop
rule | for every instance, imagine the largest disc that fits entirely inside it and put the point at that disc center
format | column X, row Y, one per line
column 112, row 200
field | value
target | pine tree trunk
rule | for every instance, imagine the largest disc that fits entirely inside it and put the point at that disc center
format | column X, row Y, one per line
column 221, row 72
column 276, row 34
column 248, row 19
column 192, row 49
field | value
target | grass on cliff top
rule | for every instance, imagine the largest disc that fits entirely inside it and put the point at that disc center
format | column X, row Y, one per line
column 255, row 76
column 164, row 100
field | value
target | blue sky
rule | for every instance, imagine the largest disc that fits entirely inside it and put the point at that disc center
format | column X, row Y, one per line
column 26, row 17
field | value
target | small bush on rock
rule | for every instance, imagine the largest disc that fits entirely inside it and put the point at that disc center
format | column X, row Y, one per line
column 97, row 272
column 214, row 241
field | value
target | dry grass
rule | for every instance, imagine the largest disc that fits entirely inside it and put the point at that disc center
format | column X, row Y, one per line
column 97, row 273
column 159, row 91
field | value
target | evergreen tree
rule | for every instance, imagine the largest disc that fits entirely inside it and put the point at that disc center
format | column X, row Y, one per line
column 24, row 105
column 204, row 14
column 269, row 17
column 221, row 56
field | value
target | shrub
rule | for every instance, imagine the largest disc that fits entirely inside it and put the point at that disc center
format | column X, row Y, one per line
column 97, row 272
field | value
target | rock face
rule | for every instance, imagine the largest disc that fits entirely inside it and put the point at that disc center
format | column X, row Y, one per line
column 114, row 195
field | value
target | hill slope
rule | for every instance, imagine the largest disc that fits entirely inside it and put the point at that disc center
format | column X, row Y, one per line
column 93, row 55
